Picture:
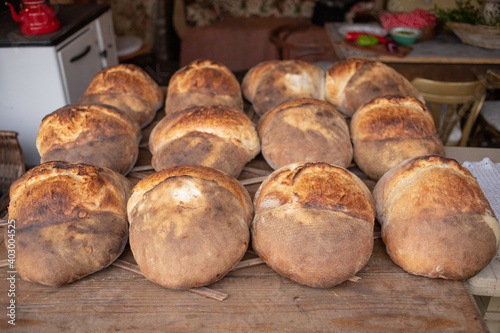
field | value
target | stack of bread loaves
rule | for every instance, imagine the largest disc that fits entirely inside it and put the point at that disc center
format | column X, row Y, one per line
column 205, row 123
column 202, row 83
column 314, row 223
column 351, row 83
column 128, row 88
column 436, row 220
column 271, row 83
column 305, row 129
column 71, row 221
column 390, row 129
column 189, row 225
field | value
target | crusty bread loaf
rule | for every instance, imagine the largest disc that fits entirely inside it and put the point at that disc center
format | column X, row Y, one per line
column 436, row 221
column 71, row 221
column 128, row 87
column 271, row 83
column 390, row 129
column 202, row 83
column 305, row 129
column 95, row 134
column 214, row 136
column 353, row 82
column 314, row 223
column 189, row 225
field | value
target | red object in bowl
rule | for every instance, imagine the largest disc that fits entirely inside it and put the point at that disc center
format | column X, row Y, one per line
column 36, row 17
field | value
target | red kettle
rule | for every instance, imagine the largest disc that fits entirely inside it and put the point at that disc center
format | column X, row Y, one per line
column 36, row 17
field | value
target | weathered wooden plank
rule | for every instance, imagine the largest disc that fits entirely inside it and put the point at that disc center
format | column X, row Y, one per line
column 385, row 299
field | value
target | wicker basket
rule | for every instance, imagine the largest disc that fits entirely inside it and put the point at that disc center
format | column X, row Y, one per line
column 477, row 35
column 11, row 164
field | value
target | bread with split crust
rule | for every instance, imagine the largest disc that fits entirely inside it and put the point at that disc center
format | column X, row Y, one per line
column 273, row 82
column 189, row 225
column 390, row 129
column 96, row 134
column 305, row 129
column 436, row 220
column 215, row 136
column 203, row 83
column 127, row 87
column 314, row 223
column 353, row 82
column 71, row 221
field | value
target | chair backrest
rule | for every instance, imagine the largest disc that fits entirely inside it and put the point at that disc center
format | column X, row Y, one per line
column 462, row 100
column 284, row 47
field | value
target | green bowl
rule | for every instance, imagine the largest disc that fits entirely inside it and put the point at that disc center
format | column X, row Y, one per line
column 405, row 36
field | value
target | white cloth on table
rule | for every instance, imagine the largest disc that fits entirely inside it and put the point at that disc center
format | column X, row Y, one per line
column 487, row 175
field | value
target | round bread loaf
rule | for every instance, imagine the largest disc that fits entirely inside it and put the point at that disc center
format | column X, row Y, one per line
column 391, row 129
column 95, row 134
column 353, row 82
column 305, row 129
column 189, row 225
column 71, row 221
column 271, row 83
column 202, row 83
column 314, row 223
column 127, row 87
column 436, row 220
column 214, row 136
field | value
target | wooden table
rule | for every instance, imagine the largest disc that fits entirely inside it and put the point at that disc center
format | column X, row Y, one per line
column 444, row 57
column 385, row 298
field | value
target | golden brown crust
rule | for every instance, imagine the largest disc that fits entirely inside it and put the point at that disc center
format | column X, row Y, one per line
column 207, row 173
column 95, row 134
column 337, row 78
column 213, row 135
column 127, row 79
column 450, row 231
column 202, row 83
column 390, row 129
column 314, row 223
column 316, row 185
column 305, row 130
column 70, row 221
column 353, row 82
column 187, row 226
column 274, row 82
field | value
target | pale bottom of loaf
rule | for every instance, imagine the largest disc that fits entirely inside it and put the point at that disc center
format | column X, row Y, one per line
column 201, row 149
column 317, row 248
column 453, row 247
column 375, row 158
column 118, row 153
column 135, row 108
column 61, row 253
column 283, row 152
column 180, row 101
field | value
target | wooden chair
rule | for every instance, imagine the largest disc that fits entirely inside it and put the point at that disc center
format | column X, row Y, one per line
column 287, row 49
column 460, row 102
